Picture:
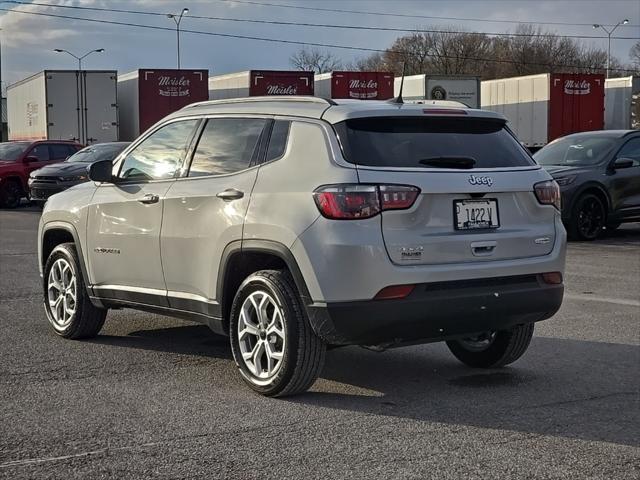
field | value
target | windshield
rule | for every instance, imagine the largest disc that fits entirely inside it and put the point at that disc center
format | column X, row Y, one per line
column 576, row 151
column 433, row 142
column 95, row 153
column 12, row 151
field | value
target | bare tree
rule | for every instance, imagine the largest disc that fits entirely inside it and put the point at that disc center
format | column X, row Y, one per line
column 315, row 60
column 634, row 55
column 530, row 50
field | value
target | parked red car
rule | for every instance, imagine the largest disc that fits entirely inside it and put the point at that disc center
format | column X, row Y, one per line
column 18, row 159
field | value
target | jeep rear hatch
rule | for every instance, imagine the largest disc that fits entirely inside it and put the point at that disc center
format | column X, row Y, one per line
column 476, row 182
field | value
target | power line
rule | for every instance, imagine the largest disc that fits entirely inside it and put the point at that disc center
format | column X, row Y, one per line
column 401, row 15
column 298, row 42
column 323, row 25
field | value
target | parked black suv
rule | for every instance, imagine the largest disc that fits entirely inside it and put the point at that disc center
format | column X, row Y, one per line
column 599, row 178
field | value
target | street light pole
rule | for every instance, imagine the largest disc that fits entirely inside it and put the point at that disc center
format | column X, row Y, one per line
column 609, row 33
column 59, row 50
column 178, row 18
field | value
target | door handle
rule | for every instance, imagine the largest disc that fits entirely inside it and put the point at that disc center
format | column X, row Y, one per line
column 149, row 198
column 230, row 194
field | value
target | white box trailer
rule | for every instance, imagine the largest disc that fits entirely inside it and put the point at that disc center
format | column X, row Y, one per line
column 458, row 88
column 619, row 112
column 543, row 107
column 64, row 105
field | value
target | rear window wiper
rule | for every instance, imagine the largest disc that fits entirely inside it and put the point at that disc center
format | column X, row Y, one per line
column 449, row 162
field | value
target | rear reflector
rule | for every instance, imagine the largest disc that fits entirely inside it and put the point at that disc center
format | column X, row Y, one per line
column 394, row 292
column 552, row 278
column 548, row 193
column 356, row 201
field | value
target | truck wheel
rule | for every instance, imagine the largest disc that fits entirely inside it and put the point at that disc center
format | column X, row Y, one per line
column 273, row 344
column 588, row 218
column 493, row 349
column 66, row 303
column 10, row 194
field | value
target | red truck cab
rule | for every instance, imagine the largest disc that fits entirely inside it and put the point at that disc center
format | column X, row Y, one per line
column 18, row 159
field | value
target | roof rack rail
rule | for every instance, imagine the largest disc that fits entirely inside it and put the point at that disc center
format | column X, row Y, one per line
column 272, row 98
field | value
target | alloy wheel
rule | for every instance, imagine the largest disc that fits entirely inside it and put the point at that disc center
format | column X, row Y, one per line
column 590, row 218
column 261, row 336
column 62, row 293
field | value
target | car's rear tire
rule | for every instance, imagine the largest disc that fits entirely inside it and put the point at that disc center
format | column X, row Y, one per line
column 66, row 302
column 588, row 218
column 274, row 346
column 493, row 349
column 10, row 194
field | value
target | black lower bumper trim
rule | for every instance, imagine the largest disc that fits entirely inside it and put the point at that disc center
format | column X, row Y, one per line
column 438, row 311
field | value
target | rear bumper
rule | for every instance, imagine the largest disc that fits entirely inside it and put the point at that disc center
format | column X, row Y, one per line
column 438, row 311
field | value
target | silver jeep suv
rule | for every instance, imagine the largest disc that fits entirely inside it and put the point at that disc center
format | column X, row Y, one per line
column 294, row 223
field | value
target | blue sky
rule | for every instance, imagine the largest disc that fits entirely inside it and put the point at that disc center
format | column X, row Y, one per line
column 28, row 40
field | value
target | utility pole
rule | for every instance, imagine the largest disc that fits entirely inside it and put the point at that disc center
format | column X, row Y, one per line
column 178, row 18
column 609, row 33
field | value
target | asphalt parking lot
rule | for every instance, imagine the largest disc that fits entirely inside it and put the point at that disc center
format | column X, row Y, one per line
column 158, row 397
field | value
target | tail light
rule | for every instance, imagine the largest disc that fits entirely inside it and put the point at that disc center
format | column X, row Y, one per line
column 354, row 201
column 548, row 193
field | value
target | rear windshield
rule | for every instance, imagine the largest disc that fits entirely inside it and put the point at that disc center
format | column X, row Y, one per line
column 430, row 143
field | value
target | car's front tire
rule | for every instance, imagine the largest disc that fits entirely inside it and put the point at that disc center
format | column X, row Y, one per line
column 274, row 346
column 493, row 349
column 66, row 302
column 588, row 218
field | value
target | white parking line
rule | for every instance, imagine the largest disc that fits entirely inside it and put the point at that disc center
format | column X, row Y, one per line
column 596, row 298
column 31, row 461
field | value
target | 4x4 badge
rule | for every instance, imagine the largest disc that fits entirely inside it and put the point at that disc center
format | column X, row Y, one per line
column 473, row 180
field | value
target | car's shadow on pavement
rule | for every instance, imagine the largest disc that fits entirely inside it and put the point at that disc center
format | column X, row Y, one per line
column 568, row 388
column 188, row 340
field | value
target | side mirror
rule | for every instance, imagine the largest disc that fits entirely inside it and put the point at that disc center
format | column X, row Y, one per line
column 622, row 162
column 101, row 171
column 30, row 159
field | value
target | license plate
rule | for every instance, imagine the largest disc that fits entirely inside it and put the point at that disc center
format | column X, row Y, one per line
column 476, row 214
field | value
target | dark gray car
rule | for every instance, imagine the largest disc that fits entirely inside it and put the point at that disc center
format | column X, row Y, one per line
column 55, row 178
column 599, row 178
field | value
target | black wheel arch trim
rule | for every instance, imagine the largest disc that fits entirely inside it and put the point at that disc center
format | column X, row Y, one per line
column 69, row 228
column 260, row 246
column 584, row 189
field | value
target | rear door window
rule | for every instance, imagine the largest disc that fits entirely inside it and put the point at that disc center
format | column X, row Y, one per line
column 227, row 145
column 430, row 143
